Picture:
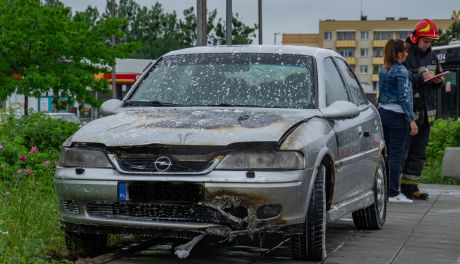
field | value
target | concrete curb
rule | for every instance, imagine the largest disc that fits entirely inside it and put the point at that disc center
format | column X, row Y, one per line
column 451, row 163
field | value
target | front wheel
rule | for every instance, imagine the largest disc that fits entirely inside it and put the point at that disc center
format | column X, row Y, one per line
column 373, row 216
column 310, row 244
column 85, row 244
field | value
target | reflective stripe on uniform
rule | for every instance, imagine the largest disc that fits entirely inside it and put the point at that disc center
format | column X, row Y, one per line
column 410, row 177
column 404, row 181
column 431, row 115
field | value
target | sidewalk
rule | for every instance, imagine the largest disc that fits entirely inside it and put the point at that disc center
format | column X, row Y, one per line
column 425, row 232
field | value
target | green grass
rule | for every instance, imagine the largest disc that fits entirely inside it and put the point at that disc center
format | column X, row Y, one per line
column 444, row 133
column 432, row 174
column 29, row 219
column 29, row 226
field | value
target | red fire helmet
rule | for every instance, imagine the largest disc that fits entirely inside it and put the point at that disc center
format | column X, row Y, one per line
column 425, row 28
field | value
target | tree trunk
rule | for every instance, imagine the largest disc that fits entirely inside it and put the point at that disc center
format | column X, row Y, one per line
column 26, row 105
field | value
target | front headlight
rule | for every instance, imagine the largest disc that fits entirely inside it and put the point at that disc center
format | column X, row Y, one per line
column 279, row 160
column 74, row 157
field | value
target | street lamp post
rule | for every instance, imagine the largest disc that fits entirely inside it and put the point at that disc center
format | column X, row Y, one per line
column 229, row 18
column 274, row 35
column 201, row 12
column 260, row 22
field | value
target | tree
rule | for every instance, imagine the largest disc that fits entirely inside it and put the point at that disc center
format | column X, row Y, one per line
column 241, row 33
column 451, row 34
column 45, row 49
column 160, row 32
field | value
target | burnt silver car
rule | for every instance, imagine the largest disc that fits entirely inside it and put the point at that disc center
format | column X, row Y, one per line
column 228, row 141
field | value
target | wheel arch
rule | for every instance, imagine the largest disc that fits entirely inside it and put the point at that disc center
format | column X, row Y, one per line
column 325, row 157
column 384, row 156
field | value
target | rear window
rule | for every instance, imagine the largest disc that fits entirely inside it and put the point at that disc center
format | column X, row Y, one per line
column 241, row 79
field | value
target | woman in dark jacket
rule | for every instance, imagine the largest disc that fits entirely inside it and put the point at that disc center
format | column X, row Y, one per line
column 396, row 111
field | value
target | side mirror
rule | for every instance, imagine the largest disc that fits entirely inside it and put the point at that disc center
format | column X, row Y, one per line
column 340, row 110
column 110, row 107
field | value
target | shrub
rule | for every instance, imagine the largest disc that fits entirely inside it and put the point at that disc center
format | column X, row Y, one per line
column 38, row 130
column 444, row 133
column 29, row 225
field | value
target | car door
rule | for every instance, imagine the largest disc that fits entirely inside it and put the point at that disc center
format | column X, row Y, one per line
column 369, row 135
column 347, row 179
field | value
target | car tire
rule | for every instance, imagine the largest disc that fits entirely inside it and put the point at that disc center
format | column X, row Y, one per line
column 85, row 244
column 373, row 217
column 310, row 243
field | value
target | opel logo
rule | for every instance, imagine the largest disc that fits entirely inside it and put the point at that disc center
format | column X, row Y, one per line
column 163, row 163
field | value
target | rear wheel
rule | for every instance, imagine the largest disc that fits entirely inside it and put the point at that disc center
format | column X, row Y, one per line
column 85, row 244
column 310, row 244
column 373, row 216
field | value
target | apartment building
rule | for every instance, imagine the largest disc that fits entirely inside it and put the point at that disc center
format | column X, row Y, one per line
column 361, row 42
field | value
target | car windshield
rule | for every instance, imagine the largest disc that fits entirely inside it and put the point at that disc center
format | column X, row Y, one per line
column 229, row 79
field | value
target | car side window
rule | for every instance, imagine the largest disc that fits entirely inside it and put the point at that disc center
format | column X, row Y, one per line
column 356, row 92
column 335, row 88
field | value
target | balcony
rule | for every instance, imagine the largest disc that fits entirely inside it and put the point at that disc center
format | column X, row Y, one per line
column 379, row 43
column 375, row 77
column 350, row 60
column 377, row 60
column 345, row 44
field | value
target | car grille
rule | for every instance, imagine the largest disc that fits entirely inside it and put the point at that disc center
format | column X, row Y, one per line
column 191, row 213
column 147, row 164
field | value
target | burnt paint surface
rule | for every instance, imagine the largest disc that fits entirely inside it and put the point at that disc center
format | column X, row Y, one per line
column 216, row 119
column 191, row 126
column 221, row 199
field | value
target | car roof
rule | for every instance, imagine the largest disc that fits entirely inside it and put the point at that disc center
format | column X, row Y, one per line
column 280, row 49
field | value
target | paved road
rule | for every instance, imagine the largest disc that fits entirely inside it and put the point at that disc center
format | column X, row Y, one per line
column 425, row 232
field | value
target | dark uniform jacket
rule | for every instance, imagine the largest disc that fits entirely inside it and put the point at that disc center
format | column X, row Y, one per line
column 425, row 95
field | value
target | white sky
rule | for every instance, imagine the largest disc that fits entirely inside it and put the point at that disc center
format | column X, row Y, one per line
column 302, row 16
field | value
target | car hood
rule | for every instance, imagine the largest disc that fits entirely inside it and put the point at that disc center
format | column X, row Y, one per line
column 191, row 126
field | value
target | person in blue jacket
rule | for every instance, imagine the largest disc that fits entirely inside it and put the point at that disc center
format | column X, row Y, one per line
column 396, row 111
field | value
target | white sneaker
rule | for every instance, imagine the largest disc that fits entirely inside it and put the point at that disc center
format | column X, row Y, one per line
column 400, row 198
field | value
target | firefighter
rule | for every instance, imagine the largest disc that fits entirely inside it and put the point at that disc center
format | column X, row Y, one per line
column 422, row 64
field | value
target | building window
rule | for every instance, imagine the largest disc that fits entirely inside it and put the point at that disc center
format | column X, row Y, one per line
column 346, row 52
column 364, row 35
column 383, row 35
column 364, row 52
column 376, row 68
column 363, row 69
column 378, row 52
column 346, row 35
column 327, row 35
column 404, row 34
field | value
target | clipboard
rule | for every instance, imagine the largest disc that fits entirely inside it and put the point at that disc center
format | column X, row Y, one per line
column 436, row 76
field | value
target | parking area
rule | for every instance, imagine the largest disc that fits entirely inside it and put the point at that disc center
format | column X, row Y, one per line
column 425, row 232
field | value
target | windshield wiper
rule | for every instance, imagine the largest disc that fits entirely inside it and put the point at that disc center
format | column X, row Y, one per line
column 148, row 103
column 233, row 105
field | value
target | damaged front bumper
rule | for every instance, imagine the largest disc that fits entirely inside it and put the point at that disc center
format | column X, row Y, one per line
column 233, row 203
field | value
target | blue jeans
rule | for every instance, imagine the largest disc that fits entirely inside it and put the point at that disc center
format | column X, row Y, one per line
column 395, row 133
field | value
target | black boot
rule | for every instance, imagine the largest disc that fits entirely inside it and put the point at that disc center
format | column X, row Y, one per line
column 412, row 192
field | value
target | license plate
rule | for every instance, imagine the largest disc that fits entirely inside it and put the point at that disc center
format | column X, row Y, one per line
column 165, row 192
column 122, row 194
